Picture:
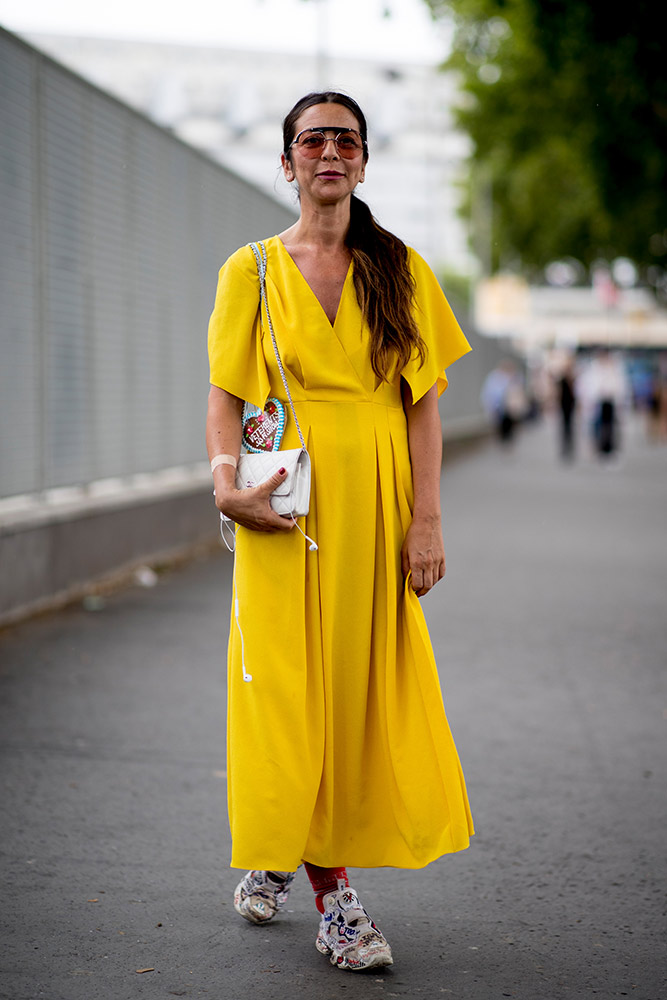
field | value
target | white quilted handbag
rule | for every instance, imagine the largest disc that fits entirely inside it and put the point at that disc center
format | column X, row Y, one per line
column 292, row 497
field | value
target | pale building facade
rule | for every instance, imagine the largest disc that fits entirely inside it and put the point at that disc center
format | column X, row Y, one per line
column 230, row 104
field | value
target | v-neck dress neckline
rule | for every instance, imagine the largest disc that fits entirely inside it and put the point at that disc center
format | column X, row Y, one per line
column 310, row 288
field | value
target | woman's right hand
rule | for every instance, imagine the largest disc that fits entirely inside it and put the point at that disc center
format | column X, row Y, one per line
column 251, row 508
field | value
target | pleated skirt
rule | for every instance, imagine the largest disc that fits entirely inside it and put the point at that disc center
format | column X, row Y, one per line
column 339, row 749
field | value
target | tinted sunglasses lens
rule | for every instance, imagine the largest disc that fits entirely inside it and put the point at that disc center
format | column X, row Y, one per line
column 311, row 143
column 348, row 144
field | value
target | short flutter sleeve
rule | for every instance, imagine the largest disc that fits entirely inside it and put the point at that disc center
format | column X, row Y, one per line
column 235, row 353
column 441, row 334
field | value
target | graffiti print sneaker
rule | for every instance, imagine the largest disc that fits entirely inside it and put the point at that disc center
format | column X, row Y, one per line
column 259, row 895
column 348, row 935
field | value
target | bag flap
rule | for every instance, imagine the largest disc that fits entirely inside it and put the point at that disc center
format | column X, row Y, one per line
column 254, row 469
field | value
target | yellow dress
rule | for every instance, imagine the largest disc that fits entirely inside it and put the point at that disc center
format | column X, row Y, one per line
column 339, row 750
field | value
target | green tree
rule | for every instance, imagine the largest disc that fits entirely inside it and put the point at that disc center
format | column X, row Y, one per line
column 566, row 104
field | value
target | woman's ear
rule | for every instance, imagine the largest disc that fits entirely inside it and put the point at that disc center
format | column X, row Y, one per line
column 287, row 168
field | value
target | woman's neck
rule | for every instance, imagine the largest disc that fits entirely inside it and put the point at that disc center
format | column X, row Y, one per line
column 320, row 227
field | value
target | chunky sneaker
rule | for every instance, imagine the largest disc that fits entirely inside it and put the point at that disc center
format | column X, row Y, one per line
column 348, row 935
column 259, row 895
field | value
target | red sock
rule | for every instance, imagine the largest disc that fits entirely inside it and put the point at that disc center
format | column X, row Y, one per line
column 323, row 881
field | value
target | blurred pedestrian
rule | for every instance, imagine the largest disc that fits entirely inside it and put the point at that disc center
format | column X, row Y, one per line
column 504, row 400
column 567, row 401
column 606, row 390
column 656, row 404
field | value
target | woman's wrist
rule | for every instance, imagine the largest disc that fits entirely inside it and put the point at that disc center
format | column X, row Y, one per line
column 224, row 481
column 427, row 515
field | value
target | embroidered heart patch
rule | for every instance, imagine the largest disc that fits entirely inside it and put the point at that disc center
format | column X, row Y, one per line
column 263, row 429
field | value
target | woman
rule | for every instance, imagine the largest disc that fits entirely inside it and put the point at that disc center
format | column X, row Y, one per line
column 339, row 751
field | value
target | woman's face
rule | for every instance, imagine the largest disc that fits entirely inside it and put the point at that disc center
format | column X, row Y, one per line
column 329, row 177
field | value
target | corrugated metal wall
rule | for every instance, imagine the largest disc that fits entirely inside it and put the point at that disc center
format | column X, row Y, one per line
column 111, row 237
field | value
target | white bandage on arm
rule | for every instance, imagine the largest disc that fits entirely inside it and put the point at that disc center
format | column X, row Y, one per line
column 223, row 460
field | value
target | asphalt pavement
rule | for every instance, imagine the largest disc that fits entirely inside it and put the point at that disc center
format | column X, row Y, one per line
column 550, row 630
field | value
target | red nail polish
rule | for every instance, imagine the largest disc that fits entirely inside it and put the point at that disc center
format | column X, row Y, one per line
column 281, row 471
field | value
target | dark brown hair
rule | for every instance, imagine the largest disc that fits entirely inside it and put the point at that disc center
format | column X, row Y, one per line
column 382, row 277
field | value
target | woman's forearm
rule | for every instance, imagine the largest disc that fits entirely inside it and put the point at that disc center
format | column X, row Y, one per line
column 223, row 423
column 223, row 434
column 423, row 552
column 425, row 443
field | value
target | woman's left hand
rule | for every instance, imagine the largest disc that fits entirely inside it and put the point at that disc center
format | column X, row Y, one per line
column 423, row 554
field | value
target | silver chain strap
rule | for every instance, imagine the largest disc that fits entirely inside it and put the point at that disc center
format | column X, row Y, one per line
column 259, row 251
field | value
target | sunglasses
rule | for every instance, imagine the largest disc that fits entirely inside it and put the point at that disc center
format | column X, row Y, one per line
column 348, row 142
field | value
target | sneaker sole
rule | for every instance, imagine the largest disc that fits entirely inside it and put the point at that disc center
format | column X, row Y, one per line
column 381, row 956
column 375, row 961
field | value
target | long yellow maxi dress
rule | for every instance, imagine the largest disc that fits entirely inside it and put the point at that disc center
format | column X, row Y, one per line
column 339, row 750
